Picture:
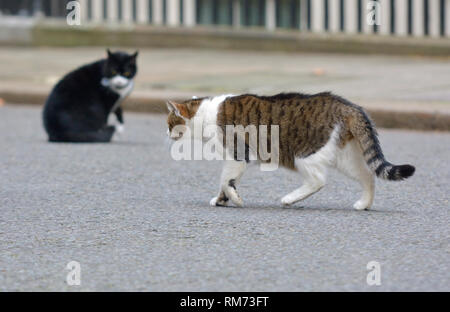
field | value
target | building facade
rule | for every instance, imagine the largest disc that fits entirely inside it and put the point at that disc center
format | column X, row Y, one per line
column 381, row 17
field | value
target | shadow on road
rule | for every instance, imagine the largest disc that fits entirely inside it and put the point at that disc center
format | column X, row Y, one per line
column 311, row 209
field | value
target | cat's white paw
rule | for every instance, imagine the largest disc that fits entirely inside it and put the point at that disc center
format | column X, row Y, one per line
column 217, row 202
column 287, row 200
column 120, row 128
column 238, row 202
column 213, row 201
column 361, row 205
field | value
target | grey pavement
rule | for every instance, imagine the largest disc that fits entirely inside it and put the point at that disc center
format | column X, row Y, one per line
column 137, row 220
column 384, row 82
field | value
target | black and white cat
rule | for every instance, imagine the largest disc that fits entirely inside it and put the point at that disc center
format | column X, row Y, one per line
column 78, row 107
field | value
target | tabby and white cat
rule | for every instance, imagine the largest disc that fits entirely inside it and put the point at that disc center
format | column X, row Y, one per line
column 316, row 132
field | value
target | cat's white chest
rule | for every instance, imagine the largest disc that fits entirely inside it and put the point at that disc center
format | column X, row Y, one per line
column 119, row 85
column 124, row 92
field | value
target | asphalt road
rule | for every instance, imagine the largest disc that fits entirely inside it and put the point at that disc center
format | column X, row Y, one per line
column 136, row 220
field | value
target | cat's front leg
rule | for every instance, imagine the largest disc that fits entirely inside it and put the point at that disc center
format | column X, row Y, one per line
column 120, row 128
column 231, row 174
column 220, row 200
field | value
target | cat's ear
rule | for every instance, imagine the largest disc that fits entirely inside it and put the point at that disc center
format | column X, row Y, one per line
column 108, row 52
column 134, row 57
column 179, row 109
column 170, row 106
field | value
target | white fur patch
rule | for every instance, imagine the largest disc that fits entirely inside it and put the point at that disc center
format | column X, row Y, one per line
column 119, row 82
column 120, row 85
column 313, row 169
column 120, row 128
column 325, row 156
column 207, row 112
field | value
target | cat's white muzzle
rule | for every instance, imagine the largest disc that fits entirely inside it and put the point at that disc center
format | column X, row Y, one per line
column 119, row 82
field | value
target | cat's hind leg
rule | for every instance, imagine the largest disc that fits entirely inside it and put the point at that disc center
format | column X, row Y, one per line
column 313, row 169
column 231, row 174
column 350, row 161
column 314, row 177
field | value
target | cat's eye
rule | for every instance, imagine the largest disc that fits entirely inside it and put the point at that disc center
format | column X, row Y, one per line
column 127, row 74
column 175, row 134
column 114, row 72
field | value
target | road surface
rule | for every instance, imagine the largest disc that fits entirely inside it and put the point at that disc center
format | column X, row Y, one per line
column 137, row 220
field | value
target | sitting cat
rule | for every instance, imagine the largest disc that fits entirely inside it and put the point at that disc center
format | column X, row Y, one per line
column 78, row 107
column 316, row 132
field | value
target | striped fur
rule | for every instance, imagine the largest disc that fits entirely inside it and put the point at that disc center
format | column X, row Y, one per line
column 362, row 128
column 316, row 131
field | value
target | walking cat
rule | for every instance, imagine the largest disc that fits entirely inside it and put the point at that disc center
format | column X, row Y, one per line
column 316, row 132
column 78, row 107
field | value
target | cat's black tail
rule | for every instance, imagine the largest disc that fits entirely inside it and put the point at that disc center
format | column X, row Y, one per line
column 103, row 135
column 364, row 131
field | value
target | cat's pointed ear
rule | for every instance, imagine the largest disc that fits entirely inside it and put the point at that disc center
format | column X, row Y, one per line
column 179, row 109
column 170, row 106
column 134, row 57
column 108, row 52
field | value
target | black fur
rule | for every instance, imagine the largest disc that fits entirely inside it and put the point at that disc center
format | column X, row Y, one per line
column 78, row 107
column 286, row 96
column 398, row 173
column 222, row 199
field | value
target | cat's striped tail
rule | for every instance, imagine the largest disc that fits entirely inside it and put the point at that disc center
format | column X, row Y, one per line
column 364, row 131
